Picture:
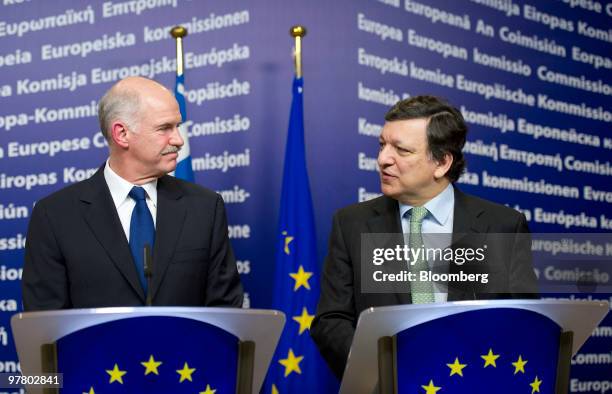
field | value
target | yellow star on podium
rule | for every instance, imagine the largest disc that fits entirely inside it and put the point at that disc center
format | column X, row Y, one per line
column 209, row 390
column 305, row 320
column 456, row 367
column 274, row 390
column 430, row 388
column 490, row 358
column 116, row 375
column 288, row 240
column 291, row 363
column 535, row 386
column 151, row 366
column 91, row 391
column 185, row 373
column 519, row 365
column 301, row 278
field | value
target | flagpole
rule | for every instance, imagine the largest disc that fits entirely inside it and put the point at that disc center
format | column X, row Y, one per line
column 178, row 32
column 184, row 169
column 297, row 366
column 297, row 32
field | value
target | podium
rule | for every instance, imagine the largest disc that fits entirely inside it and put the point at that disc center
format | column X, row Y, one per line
column 133, row 349
column 430, row 347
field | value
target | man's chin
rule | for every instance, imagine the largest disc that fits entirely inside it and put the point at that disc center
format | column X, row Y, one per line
column 167, row 168
column 388, row 190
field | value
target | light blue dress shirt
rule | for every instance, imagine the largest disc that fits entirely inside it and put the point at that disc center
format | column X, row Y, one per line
column 439, row 220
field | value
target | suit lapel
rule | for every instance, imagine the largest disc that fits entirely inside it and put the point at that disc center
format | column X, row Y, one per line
column 101, row 215
column 171, row 213
column 386, row 220
column 466, row 215
column 386, row 217
column 469, row 230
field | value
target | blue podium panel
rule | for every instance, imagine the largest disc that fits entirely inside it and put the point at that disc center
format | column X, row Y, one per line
column 490, row 350
column 139, row 355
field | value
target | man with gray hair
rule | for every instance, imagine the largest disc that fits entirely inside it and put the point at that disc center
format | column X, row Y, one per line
column 132, row 233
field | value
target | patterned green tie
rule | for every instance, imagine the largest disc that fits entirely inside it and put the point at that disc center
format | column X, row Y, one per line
column 422, row 292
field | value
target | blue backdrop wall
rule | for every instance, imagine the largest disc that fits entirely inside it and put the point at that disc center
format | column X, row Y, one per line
column 533, row 79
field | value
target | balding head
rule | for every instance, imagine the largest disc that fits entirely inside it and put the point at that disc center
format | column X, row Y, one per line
column 123, row 102
column 140, row 120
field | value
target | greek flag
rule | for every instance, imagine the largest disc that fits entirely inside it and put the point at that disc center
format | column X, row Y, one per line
column 183, row 167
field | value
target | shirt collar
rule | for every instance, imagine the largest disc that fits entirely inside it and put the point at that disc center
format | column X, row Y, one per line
column 440, row 207
column 120, row 188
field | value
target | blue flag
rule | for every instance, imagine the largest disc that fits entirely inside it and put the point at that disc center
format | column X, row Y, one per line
column 297, row 366
column 183, row 167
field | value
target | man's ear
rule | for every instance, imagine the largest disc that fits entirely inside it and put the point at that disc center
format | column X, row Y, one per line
column 119, row 134
column 443, row 166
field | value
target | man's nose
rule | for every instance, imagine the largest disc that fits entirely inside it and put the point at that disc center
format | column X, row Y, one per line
column 385, row 157
column 176, row 139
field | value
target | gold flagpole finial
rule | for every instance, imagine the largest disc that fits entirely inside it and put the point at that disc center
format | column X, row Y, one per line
column 298, row 32
column 178, row 32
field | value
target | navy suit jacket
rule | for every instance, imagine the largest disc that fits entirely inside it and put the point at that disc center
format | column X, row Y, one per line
column 77, row 255
column 342, row 300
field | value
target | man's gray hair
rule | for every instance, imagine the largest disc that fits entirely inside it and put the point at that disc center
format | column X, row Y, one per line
column 118, row 104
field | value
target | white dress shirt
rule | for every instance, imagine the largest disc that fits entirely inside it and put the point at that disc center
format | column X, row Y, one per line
column 439, row 220
column 120, row 189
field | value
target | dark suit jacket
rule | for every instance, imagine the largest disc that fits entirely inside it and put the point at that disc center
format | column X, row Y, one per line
column 77, row 255
column 342, row 301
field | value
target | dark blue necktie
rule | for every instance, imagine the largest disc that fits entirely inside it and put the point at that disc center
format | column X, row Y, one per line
column 142, row 231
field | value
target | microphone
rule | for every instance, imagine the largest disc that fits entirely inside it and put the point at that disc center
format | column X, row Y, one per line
column 148, row 272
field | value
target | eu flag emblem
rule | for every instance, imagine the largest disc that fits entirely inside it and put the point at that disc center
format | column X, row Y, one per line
column 149, row 355
column 489, row 350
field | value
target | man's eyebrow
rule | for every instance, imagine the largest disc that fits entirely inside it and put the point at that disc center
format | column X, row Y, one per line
column 394, row 141
column 167, row 124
